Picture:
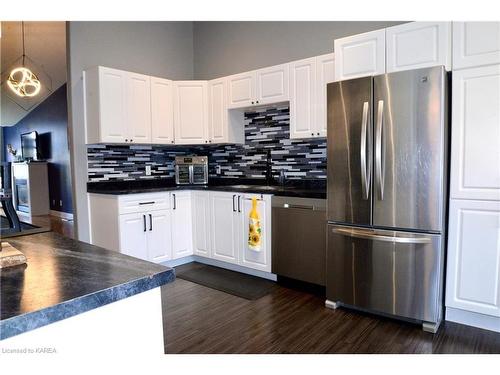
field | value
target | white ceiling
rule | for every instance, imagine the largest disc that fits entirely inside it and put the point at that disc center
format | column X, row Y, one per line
column 45, row 44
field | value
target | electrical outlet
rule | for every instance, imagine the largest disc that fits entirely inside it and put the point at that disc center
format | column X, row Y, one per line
column 148, row 170
column 217, row 170
column 60, row 203
column 53, row 202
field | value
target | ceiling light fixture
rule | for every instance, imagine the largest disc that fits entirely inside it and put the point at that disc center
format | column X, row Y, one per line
column 22, row 80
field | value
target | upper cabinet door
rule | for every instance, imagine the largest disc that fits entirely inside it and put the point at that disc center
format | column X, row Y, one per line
column 302, row 98
column 139, row 108
column 191, row 112
column 241, row 90
column 217, row 121
column 417, row 45
column 360, row 55
column 475, row 141
column 272, row 84
column 475, row 44
column 162, row 111
column 325, row 73
column 112, row 108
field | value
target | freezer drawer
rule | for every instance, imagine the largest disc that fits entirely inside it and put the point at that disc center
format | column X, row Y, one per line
column 396, row 273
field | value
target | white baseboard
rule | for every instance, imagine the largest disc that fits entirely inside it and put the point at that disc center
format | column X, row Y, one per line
column 63, row 215
column 474, row 319
column 218, row 263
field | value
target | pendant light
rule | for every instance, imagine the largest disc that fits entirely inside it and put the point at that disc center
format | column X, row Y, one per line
column 22, row 81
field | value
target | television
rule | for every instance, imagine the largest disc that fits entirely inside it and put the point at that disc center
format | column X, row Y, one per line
column 29, row 146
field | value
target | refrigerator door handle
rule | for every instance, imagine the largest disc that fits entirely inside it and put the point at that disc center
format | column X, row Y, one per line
column 365, row 167
column 359, row 233
column 379, row 157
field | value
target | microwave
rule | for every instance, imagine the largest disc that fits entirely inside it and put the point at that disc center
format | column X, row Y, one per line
column 191, row 170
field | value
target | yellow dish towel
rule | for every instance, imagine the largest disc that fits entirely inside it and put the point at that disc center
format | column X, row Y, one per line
column 254, row 228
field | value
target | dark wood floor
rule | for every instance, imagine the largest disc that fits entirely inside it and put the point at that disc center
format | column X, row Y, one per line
column 204, row 320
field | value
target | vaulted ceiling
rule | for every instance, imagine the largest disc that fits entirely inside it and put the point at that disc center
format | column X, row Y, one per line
column 45, row 45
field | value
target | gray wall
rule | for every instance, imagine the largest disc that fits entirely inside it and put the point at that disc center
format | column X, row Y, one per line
column 164, row 49
column 223, row 48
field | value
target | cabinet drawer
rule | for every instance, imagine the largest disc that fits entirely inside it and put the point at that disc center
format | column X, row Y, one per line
column 140, row 202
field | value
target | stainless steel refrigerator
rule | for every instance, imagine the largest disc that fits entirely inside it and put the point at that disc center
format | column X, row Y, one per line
column 387, row 193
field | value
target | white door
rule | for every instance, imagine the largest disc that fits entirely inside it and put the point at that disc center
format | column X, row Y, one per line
column 191, row 112
column 182, row 232
column 475, row 44
column 139, row 108
column 112, row 105
column 475, row 142
column 159, row 235
column 133, row 229
column 473, row 277
column 218, row 124
column 162, row 111
column 272, row 84
column 261, row 259
column 225, row 226
column 325, row 74
column 241, row 90
column 201, row 223
column 303, row 98
column 417, row 45
column 360, row 55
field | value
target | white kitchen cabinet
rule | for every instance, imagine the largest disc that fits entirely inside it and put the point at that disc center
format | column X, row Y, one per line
column 132, row 232
column 261, row 259
column 162, row 111
column 418, row 45
column 159, row 237
column 360, row 55
column 106, row 105
column 272, row 84
column 325, row 74
column 138, row 108
column 191, row 112
column 475, row 142
column 225, row 226
column 201, row 223
column 303, row 98
column 225, row 126
column 182, row 232
column 241, row 90
column 473, row 275
column 475, row 44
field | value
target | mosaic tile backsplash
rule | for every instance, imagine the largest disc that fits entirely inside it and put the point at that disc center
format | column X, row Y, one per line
column 266, row 129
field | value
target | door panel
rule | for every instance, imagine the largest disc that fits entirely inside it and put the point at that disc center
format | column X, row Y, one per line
column 182, row 232
column 349, row 105
column 133, row 240
column 162, row 111
column 385, row 271
column 159, row 234
column 409, row 143
column 139, row 107
column 225, row 224
column 113, row 107
column 201, row 223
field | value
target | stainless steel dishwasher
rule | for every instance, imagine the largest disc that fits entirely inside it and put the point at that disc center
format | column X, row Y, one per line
column 299, row 238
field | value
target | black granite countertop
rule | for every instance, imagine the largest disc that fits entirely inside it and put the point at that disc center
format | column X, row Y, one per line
column 306, row 188
column 65, row 277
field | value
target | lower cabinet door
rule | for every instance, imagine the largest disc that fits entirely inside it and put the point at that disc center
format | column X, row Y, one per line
column 255, row 245
column 159, row 235
column 201, row 223
column 182, row 233
column 225, row 225
column 133, row 229
column 473, row 275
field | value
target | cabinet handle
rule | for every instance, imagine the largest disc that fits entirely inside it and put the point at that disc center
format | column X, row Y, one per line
column 318, row 133
column 143, row 203
column 252, row 103
column 257, row 102
column 234, row 208
column 210, row 141
column 172, row 142
column 312, row 134
column 150, row 222
column 144, row 221
column 239, row 203
column 175, row 203
column 131, row 140
column 126, row 140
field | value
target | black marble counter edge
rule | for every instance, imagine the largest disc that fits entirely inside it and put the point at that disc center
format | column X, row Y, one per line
column 306, row 188
column 32, row 320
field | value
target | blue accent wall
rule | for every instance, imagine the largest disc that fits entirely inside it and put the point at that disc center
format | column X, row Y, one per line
column 50, row 120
